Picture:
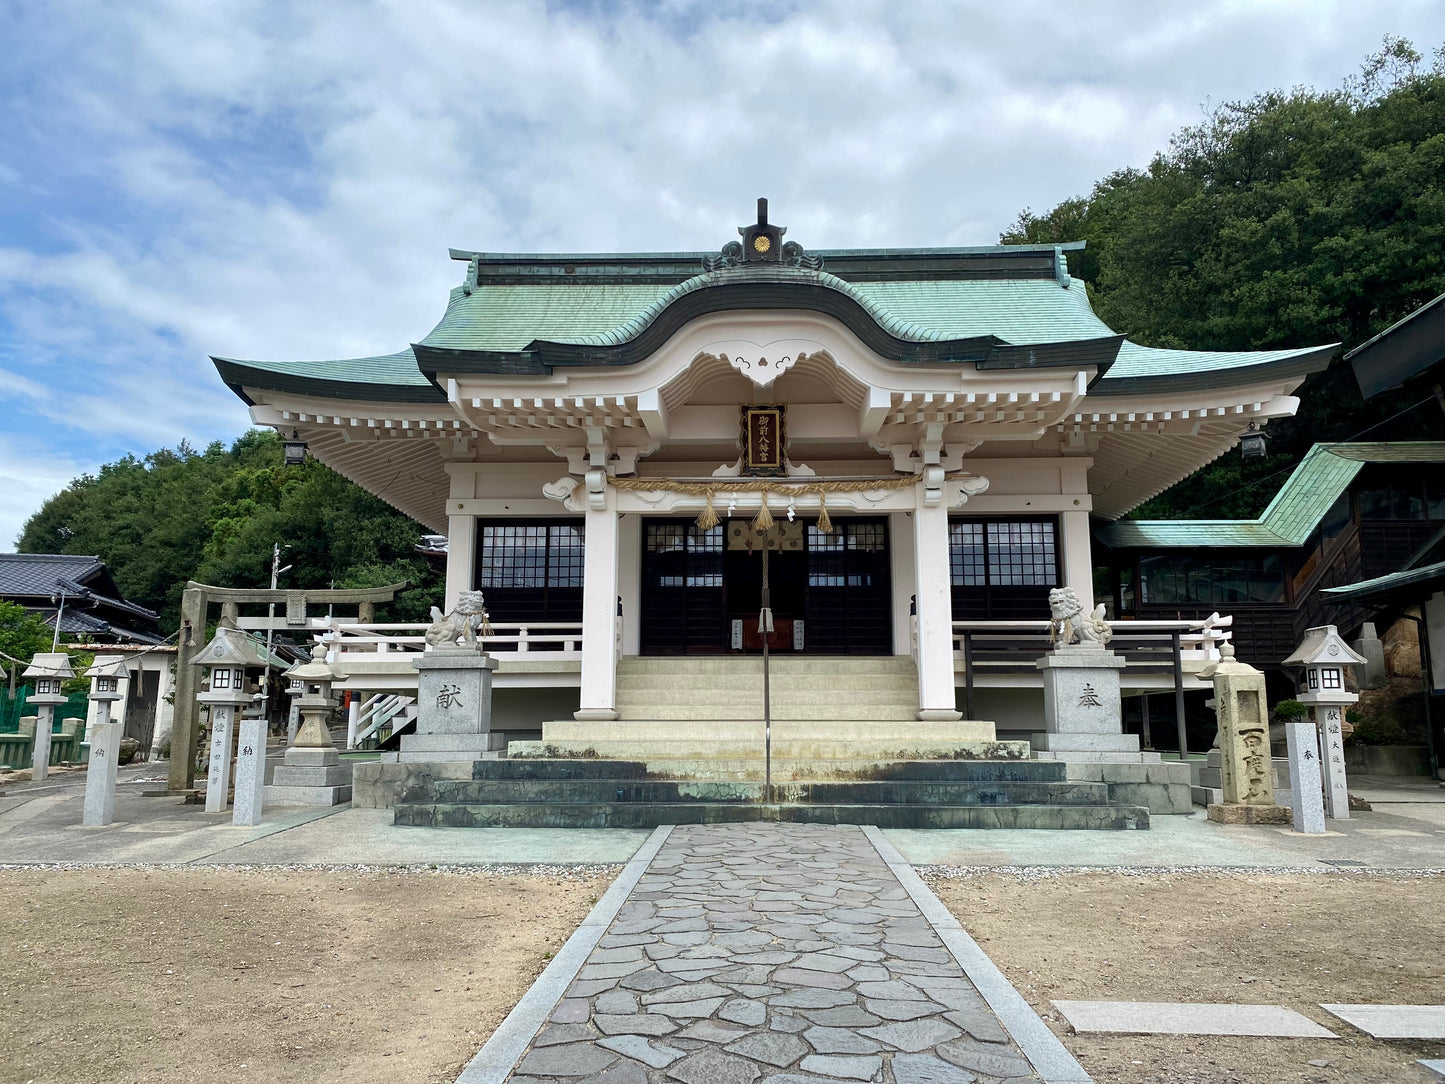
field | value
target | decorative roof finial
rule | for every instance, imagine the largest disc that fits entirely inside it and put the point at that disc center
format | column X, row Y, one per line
column 762, row 243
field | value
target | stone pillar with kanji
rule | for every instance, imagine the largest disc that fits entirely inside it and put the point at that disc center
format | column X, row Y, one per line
column 1327, row 660
column 230, row 661
column 106, row 673
column 454, row 690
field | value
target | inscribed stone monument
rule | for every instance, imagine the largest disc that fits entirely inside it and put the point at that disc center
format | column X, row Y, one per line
column 454, row 690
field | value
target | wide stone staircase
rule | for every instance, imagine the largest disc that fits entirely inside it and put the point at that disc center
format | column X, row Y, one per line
column 548, row 793
column 847, row 748
column 704, row 714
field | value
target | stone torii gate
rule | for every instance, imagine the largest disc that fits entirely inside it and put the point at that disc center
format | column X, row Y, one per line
column 195, row 606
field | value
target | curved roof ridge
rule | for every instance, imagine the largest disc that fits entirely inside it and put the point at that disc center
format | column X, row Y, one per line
column 631, row 328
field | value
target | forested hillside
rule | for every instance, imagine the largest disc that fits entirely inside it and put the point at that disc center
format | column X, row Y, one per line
column 1294, row 218
column 213, row 516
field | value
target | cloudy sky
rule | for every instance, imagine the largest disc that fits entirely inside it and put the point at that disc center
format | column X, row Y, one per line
column 282, row 180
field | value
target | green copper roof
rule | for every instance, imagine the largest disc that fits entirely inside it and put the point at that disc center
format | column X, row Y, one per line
column 601, row 308
column 1325, row 472
column 1417, row 581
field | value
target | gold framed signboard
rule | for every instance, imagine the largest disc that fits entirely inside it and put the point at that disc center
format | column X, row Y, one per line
column 764, row 435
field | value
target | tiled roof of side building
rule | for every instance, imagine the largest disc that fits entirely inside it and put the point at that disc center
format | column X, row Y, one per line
column 41, row 573
column 1325, row 472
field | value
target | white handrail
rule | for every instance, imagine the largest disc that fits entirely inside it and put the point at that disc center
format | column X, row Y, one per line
column 552, row 640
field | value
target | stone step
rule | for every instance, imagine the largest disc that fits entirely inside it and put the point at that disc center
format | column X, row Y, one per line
column 663, row 731
column 740, row 684
column 879, row 792
column 650, row 815
column 807, row 749
column 720, row 709
column 751, row 769
column 780, row 664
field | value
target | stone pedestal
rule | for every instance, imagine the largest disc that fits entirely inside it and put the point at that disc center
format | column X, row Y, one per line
column 100, row 773
column 454, row 707
column 218, row 775
column 40, row 755
column 1302, row 737
column 313, row 774
column 1082, row 711
column 1246, row 772
column 250, row 771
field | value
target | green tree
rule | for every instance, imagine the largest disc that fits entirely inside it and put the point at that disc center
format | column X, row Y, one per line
column 1290, row 219
column 22, row 634
column 214, row 515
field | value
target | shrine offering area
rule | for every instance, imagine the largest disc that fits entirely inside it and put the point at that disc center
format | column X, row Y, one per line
column 1284, row 939
column 274, row 975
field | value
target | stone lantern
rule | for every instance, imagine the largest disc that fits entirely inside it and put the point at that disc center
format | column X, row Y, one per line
column 228, row 661
column 1327, row 660
column 106, row 673
column 313, row 774
column 51, row 670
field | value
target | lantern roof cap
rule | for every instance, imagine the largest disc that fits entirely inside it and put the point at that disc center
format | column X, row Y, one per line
column 109, row 666
column 1324, row 644
column 50, row 664
column 315, row 668
column 229, row 647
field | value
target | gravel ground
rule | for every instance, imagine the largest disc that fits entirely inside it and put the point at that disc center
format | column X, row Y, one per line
column 1276, row 937
column 302, row 973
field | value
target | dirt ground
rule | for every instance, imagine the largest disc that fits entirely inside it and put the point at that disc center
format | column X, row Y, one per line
column 275, row 975
column 1270, row 939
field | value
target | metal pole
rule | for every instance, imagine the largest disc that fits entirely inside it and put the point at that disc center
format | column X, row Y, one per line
column 765, row 624
column 276, row 571
column 1144, row 719
column 55, row 640
column 1179, row 699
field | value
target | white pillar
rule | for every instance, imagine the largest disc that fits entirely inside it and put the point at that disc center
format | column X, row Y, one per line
column 250, row 772
column 353, row 718
column 40, row 754
column 461, row 557
column 100, row 771
column 1078, row 555
column 937, row 695
column 1302, row 737
column 219, row 774
column 599, row 613
column 1332, row 761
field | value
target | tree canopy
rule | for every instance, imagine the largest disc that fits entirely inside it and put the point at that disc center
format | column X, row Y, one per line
column 1293, row 218
column 214, row 515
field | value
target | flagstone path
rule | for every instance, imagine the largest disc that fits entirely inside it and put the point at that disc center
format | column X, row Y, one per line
column 785, row 954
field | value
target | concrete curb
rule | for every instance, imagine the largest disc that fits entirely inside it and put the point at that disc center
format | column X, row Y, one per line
column 1054, row 1064
column 497, row 1057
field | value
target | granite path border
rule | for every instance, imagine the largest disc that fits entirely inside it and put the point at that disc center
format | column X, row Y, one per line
column 499, row 1054
column 1050, row 1059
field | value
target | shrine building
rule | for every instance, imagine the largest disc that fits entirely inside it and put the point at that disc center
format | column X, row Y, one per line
column 934, row 435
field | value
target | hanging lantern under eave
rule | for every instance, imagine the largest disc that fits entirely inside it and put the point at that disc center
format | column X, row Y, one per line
column 294, row 450
column 1252, row 443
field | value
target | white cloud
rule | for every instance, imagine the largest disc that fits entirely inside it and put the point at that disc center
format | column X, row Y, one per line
column 274, row 180
column 28, row 478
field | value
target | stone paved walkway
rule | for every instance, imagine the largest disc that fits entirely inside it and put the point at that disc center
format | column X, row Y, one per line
column 788, row 954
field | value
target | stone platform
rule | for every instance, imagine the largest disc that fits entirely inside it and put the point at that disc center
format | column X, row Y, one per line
column 601, row 793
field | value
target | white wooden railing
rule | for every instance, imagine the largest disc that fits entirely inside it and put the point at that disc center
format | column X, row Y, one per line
column 543, row 640
column 371, row 714
column 1198, row 640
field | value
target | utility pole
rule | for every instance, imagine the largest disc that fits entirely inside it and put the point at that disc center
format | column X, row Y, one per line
column 276, row 571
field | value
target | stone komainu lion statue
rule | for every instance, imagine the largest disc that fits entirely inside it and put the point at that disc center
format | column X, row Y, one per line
column 1069, row 625
column 461, row 624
